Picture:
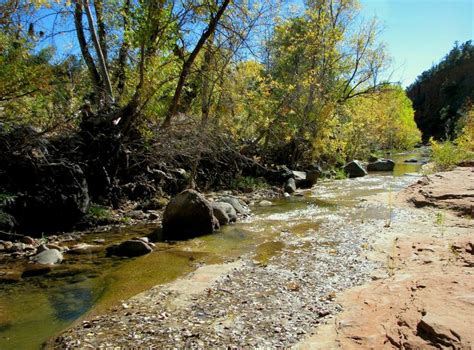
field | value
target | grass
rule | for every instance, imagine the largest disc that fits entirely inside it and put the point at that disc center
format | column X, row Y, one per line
column 99, row 213
column 249, row 183
column 340, row 174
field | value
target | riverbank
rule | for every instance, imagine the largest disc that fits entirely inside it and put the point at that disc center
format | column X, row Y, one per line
column 283, row 300
column 426, row 301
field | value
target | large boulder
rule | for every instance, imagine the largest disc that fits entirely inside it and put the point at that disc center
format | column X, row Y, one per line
column 131, row 248
column 224, row 212
column 188, row 215
column 355, row 169
column 58, row 201
column 381, row 165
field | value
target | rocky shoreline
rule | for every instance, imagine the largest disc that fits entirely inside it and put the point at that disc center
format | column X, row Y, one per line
column 294, row 298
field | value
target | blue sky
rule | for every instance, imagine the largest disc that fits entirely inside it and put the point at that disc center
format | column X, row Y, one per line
column 419, row 33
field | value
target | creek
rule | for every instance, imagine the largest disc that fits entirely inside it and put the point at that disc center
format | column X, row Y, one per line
column 36, row 308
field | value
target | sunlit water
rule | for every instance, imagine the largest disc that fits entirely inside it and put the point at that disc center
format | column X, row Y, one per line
column 36, row 308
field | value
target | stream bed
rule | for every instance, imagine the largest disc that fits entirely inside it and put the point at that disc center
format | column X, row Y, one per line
column 37, row 308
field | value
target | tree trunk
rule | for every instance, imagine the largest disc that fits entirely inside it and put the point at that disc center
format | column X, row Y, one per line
column 189, row 62
column 102, row 64
column 81, row 38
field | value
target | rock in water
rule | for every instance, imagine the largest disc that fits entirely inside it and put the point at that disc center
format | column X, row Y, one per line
column 224, row 212
column 265, row 203
column 355, row 169
column 85, row 248
column 290, row 186
column 239, row 208
column 131, row 248
column 381, row 165
column 188, row 215
column 301, row 179
column 48, row 257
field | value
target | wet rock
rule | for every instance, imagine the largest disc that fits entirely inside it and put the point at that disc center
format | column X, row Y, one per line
column 265, row 203
column 301, row 179
column 235, row 202
column 188, row 215
column 224, row 212
column 48, row 257
column 355, row 169
column 412, row 160
column 381, row 165
column 85, row 248
column 131, row 248
column 286, row 195
column 290, row 185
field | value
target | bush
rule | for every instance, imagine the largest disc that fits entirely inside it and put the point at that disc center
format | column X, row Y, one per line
column 448, row 154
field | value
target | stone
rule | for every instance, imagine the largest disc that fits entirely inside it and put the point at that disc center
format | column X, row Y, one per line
column 152, row 216
column 286, row 195
column 188, row 215
column 28, row 240
column 265, row 203
column 381, row 165
column 131, row 248
column 235, row 202
column 355, row 169
column 136, row 215
column 55, row 246
column 85, row 248
column 224, row 212
column 290, row 185
column 412, row 160
column 48, row 257
column 301, row 179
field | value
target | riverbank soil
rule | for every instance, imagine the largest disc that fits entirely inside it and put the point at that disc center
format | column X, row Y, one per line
column 373, row 272
column 428, row 299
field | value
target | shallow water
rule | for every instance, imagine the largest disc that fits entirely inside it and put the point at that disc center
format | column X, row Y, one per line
column 37, row 308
